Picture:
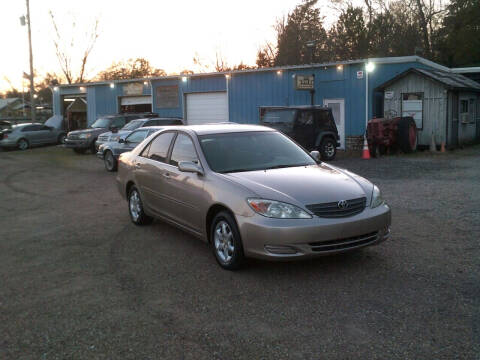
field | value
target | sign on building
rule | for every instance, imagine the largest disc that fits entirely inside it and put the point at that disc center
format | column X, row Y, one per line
column 389, row 95
column 167, row 96
column 132, row 89
column 360, row 74
column 305, row 82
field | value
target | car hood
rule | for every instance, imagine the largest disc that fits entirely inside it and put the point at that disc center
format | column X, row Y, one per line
column 304, row 185
column 118, row 133
column 96, row 131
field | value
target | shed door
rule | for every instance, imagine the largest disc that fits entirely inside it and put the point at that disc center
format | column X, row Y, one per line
column 202, row 108
column 412, row 105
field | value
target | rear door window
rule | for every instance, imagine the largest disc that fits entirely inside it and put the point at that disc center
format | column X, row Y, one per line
column 158, row 148
column 32, row 128
column 278, row 116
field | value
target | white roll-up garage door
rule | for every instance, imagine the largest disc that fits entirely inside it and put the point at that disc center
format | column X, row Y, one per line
column 202, row 108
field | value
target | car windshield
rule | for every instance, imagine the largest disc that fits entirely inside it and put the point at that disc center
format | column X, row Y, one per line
column 101, row 123
column 278, row 116
column 250, row 151
column 134, row 124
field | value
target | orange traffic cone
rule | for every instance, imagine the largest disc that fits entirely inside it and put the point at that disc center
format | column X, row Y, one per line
column 366, row 151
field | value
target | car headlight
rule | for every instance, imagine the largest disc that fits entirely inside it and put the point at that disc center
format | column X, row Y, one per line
column 377, row 199
column 84, row 136
column 277, row 209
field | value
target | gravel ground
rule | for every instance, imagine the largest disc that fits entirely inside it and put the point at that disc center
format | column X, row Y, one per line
column 79, row 281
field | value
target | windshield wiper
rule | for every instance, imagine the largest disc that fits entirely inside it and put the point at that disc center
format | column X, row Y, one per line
column 235, row 170
column 285, row 166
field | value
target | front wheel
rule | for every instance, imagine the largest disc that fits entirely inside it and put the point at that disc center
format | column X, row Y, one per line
column 135, row 207
column 226, row 242
column 328, row 149
column 61, row 139
column 109, row 161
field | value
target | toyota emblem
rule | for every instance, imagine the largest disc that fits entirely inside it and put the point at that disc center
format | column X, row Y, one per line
column 342, row 204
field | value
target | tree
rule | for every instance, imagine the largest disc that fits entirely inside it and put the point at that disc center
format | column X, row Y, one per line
column 266, row 56
column 303, row 25
column 458, row 40
column 131, row 69
column 348, row 37
column 66, row 50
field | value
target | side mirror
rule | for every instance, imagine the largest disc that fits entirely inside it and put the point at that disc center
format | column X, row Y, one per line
column 316, row 155
column 189, row 166
column 122, row 141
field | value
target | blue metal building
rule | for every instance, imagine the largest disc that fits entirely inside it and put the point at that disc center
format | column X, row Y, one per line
column 238, row 96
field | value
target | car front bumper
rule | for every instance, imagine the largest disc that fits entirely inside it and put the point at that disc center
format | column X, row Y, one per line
column 8, row 143
column 77, row 144
column 283, row 239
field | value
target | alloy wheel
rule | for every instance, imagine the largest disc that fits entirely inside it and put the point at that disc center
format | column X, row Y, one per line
column 224, row 242
column 135, row 205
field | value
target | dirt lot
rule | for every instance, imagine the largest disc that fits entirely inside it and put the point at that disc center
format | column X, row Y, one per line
column 79, row 281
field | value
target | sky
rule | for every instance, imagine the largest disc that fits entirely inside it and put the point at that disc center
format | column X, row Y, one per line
column 169, row 33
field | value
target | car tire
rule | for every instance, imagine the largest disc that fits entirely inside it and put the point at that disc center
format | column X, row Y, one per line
column 109, row 161
column 135, row 208
column 79, row 151
column 61, row 138
column 407, row 135
column 226, row 242
column 328, row 149
column 23, row 144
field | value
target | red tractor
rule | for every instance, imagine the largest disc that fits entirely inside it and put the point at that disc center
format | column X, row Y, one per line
column 386, row 135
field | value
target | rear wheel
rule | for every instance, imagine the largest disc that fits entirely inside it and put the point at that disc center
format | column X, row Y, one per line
column 23, row 144
column 226, row 243
column 135, row 207
column 109, row 161
column 93, row 149
column 407, row 135
column 328, row 149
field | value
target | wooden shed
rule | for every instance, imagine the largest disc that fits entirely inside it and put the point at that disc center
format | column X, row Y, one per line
column 443, row 104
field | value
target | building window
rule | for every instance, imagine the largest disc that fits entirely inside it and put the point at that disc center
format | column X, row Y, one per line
column 463, row 106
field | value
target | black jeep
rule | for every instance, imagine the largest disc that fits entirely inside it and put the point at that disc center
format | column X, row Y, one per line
column 82, row 140
column 313, row 127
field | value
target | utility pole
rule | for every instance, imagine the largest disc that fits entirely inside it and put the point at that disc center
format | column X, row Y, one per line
column 32, row 85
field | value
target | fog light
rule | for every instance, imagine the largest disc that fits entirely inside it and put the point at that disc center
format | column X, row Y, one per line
column 279, row 249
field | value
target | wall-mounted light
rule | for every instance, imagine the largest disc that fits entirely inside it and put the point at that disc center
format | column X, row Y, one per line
column 370, row 67
column 293, row 76
column 35, row 96
column 55, row 88
column 69, row 100
column 340, row 67
column 279, row 72
column 82, row 88
column 184, row 79
column 145, row 83
column 112, row 85
column 227, row 76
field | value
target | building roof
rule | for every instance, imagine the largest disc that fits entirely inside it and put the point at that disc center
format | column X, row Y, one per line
column 5, row 102
column 453, row 81
column 385, row 60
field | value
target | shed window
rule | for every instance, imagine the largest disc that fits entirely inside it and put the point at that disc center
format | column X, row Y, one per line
column 463, row 106
column 412, row 96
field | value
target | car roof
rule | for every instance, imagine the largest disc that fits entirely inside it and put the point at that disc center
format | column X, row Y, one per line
column 220, row 128
column 151, row 128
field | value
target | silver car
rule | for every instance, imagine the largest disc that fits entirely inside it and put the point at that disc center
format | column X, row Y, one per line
column 250, row 191
column 24, row 136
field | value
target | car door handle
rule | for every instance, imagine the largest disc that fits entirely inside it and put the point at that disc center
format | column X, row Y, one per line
column 167, row 175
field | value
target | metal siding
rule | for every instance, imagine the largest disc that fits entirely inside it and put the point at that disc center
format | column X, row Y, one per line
column 56, row 97
column 106, row 100
column 91, row 105
column 434, row 105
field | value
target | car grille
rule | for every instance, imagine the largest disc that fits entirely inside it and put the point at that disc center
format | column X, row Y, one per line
column 346, row 243
column 333, row 210
column 73, row 137
column 103, row 138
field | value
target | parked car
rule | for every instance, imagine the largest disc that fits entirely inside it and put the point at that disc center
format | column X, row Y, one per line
column 110, row 151
column 313, row 127
column 82, row 140
column 23, row 136
column 135, row 124
column 4, row 125
column 250, row 191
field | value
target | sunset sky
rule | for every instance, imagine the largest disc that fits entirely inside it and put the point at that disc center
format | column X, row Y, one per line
column 168, row 33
